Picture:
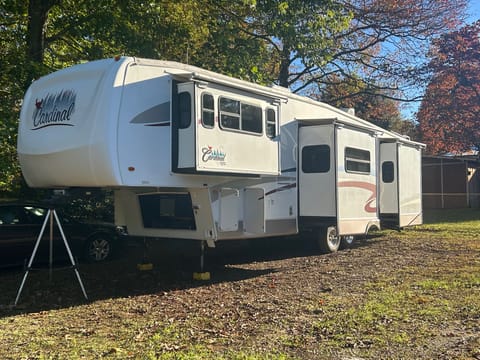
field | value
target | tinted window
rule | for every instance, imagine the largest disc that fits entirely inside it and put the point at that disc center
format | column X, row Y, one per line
column 208, row 114
column 167, row 211
column 22, row 215
column 9, row 215
column 230, row 106
column 388, row 172
column 252, row 118
column 185, row 110
column 271, row 126
column 229, row 113
column 357, row 160
column 239, row 116
column 316, row 159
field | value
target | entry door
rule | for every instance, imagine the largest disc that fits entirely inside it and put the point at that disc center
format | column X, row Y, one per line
column 388, row 195
column 410, row 185
column 316, row 173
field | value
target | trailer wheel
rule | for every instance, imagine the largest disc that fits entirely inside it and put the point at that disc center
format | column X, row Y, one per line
column 328, row 240
column 346, row 241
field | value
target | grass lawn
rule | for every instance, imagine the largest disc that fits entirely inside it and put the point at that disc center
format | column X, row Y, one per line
column 403, row 295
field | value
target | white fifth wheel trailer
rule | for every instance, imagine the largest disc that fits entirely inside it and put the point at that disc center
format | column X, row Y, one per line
column 198, row 155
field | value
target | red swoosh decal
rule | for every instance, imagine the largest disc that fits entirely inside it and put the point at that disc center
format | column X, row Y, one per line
column 366, row 186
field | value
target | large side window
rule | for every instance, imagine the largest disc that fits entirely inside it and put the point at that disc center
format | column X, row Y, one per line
column 208, row 112
column 185, row 110
column 357, row 160
column 240, row 116
column 316, row 159
column 271, row 123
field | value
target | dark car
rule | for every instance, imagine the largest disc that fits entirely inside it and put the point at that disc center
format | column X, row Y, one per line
column 20, row 226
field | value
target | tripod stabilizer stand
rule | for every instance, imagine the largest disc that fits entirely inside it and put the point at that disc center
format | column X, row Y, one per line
column 51, row 215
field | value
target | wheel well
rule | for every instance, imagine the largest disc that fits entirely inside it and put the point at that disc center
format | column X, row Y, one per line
column 372, row 227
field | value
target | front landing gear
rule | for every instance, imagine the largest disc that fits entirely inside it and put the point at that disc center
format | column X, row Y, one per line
column 202, row 275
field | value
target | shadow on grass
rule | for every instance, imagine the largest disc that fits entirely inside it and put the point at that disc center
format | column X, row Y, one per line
column 173, row 265
column 174, row 262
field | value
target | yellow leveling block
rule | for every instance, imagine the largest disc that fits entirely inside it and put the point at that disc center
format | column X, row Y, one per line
column 145, row 266
column 201, row 276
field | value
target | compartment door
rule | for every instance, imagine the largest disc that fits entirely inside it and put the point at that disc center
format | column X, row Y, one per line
column 254, row 211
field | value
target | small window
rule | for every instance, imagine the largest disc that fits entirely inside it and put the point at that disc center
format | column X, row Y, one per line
column 208, row 113
column 357, row 160
column 316, row 159
column 229, row 113
column 271, row 123
column 185, row 110
column 388, row 172
column 252, row 118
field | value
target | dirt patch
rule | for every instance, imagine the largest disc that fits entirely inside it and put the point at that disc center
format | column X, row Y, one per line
column 400, row 295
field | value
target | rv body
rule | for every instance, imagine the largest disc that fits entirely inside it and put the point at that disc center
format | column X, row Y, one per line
column 195, row 154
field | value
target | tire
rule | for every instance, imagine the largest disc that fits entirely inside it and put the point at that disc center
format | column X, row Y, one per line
column 98, row 248
column 328, row 241
column 346, row 241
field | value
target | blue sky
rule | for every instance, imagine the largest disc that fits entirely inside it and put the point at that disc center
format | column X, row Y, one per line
column 473, row 13
column 473, row 10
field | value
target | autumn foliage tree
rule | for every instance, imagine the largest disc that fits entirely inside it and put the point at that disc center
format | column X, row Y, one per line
column 449, row 115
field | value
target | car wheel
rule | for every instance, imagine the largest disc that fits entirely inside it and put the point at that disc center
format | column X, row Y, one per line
column 98, row 248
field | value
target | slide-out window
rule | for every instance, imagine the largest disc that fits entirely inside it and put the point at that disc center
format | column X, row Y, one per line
column 167, row 211
column 185, row 110
column 357, row 160
column 236, row 115
column 271, row 123
column 208, row 112
column 388, row 172
column 316, row 159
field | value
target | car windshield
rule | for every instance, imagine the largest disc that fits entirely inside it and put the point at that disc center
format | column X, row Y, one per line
column 35, row 211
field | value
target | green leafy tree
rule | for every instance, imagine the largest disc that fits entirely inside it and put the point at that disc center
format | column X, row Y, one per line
column 40, row 36
column 12, row 80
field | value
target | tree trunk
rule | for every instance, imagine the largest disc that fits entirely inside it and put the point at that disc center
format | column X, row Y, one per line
column 37, row 17
column 284, row 69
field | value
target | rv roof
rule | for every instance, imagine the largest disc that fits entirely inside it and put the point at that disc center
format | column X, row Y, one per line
column 191, row 72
